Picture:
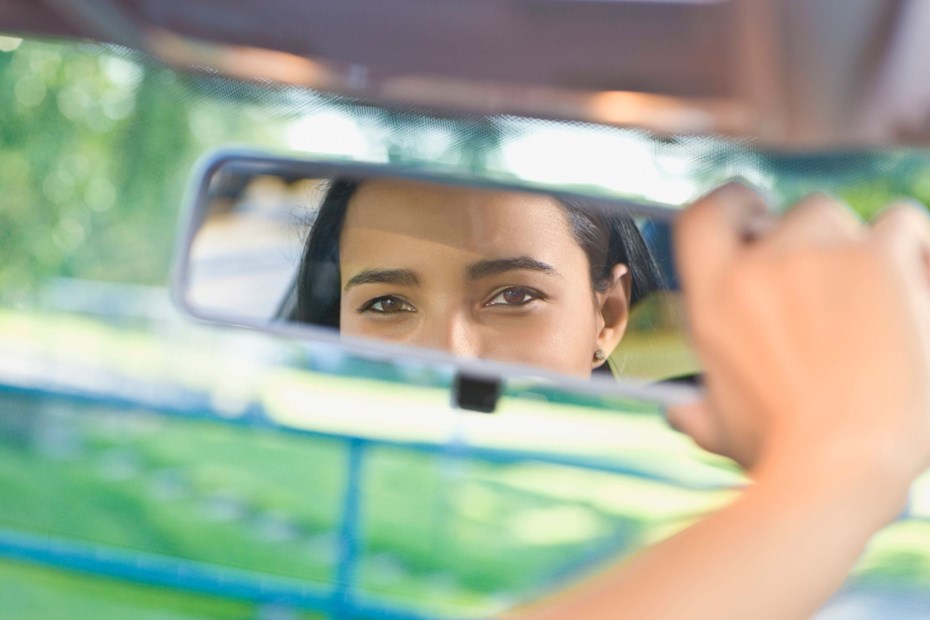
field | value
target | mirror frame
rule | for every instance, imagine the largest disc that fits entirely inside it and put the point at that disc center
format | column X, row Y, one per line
column 195, row 211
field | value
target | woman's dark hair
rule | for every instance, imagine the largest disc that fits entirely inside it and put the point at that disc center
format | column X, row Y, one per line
column 319, row 286
column 608, row 237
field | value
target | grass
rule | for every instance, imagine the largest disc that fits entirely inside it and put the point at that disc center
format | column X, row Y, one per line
column 42, row 593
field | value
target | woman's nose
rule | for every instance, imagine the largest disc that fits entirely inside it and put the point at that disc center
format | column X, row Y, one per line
column 454, row 333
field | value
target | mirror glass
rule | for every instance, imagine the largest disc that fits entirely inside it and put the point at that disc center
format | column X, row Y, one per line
column 566, row 283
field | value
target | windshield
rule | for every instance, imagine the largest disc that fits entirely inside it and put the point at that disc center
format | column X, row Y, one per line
column 85, row 127
column 96, row 146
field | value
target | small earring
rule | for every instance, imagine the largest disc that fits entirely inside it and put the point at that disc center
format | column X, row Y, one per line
column 599, row 355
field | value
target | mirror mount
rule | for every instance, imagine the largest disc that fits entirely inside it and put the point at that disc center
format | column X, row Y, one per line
column 476, row 393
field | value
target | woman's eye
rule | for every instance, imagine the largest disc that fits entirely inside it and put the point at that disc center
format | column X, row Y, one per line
column 514, row 296
column 388, row 304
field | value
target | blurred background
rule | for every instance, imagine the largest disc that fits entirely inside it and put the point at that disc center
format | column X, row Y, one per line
column 151, row 467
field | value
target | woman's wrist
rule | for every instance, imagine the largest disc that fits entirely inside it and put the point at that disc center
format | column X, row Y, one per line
column 866, row 491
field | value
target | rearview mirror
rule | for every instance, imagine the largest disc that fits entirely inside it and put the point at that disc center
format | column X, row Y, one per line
column 400, row 262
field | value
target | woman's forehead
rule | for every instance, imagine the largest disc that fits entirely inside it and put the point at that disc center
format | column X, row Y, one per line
column 457, row 216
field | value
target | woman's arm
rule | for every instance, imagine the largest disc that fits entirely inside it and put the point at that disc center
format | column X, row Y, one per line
column 814, row 333
column 777, row 552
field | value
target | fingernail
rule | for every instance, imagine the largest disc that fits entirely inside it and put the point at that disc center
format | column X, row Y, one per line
column 743, row 189
column 742, row 184
column 768, row 194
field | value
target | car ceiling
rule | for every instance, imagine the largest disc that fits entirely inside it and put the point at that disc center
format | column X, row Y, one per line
column 790, row 72
column 591, row 45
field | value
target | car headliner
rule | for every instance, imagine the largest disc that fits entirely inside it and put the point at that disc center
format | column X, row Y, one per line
column 592, row 45
column 790, row 73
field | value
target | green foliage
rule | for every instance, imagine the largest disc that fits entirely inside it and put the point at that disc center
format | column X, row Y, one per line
column 95, row 148
column 63, row 121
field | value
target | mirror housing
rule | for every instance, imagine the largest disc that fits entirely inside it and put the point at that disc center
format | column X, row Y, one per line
column 280, row 232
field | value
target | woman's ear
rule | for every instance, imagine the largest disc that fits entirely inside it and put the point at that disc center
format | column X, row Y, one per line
column 614, row 309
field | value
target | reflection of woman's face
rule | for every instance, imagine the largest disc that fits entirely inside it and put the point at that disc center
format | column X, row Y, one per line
column 474, row 272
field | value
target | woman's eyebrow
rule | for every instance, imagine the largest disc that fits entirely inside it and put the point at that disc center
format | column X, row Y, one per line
column 399, row 277
column 492, row 267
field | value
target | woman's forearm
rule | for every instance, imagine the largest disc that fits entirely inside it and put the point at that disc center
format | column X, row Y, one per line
column 778, row 552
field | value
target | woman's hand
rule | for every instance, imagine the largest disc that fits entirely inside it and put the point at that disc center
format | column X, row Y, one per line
column 814, row 333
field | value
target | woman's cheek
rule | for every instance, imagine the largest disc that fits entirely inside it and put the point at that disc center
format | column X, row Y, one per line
column 566, row 341
column 376, row 328
column 544, row 339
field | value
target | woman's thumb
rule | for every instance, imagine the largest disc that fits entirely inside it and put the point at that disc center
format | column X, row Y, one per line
column 696, row 420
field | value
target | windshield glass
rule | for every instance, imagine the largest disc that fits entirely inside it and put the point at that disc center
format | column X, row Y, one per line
column 85, row 127
column 96, row 146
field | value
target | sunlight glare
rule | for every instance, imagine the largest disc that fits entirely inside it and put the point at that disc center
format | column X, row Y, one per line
column 8, row 44
column 591, row 158
column 335, row 134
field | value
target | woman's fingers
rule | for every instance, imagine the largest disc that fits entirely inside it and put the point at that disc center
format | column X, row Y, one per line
column 711, row 232
column 698, row 421
column 788, row 318
column 904, row 229
column 816, row 220
column 710, row 237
